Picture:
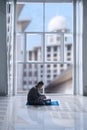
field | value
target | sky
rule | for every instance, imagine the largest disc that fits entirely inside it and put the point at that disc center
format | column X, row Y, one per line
column 34, row 12
column 39, row 22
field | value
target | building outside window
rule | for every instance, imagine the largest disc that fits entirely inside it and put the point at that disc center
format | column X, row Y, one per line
column 43, row 37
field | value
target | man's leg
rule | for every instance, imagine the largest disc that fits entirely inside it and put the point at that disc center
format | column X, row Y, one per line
column 39, row 101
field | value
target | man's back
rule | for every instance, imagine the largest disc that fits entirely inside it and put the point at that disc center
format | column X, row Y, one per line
column 32, row 95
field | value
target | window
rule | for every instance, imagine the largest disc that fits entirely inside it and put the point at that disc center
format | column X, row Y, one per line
column 55, row 59
column 61, row 65
column 35, row 73
column 36, row 55
column 55, row 76
column 48, row 71
column 55, row 65
column 68, row 47
column 49, row 59
column 68, row 65
column 30, row 66
column 48, row 81
column 25, row 74
column 55, row 55
column 30, row 73
column 48, row 76
column 41, row 71
column 30, row 82
column 8, row 19
column 58, row 38
column 68, row 59
column 61, row 70
column 9, row 8
column 41, row 66
column 35, row 65
column 30, row 55
column 48, row 55
column 55, row 48
column 68, row 53
column 48, row 49
column 55, row 71
column 35, row 82
column 33, row 46
column 24, row 65
column 24, row 82
column 48, row 66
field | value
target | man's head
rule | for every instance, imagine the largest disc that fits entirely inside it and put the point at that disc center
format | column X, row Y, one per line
column 40, row 84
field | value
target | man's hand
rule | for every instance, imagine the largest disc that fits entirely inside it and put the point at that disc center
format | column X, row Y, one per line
column 42, row 97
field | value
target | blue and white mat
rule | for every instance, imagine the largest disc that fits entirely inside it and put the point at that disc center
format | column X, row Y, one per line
column 53, row 103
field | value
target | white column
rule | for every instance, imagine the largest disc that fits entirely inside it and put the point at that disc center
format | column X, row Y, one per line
column 85, row 47
column 77, row 47
column 14, row 49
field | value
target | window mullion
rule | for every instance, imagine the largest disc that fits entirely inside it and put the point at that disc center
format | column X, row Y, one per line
column 62, row 48
column 44, row 45
column 25, row 51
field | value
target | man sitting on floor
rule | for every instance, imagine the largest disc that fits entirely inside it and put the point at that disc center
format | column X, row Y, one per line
column 34, row 97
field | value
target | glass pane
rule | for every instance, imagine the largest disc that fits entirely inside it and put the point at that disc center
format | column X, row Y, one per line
column 53, row 44
column 28, row 75
column 34, row 49
column 19, row 79
column 30, row 17
column 68, row 48
column 58, row 17
column 58, row 78
column 20, row 41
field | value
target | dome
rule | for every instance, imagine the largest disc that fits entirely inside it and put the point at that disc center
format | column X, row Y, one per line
column 58, row 23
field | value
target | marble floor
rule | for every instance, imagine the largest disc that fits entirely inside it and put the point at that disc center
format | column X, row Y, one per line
column 71, row 114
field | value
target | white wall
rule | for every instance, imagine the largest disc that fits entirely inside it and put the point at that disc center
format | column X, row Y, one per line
column 3, row 49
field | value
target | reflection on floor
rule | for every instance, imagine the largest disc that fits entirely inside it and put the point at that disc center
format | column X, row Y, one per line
column 70, row 115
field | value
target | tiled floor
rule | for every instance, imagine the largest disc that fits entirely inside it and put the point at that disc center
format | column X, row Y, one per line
column 70, row 115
